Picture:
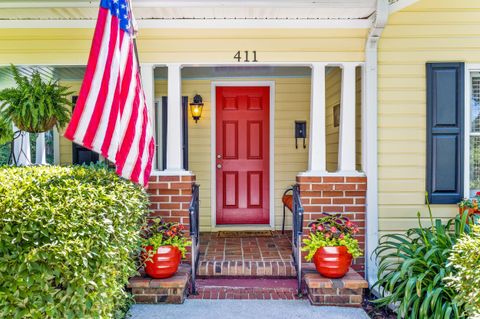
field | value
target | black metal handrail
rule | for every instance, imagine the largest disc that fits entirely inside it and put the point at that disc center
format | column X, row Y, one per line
column 194, row 213
column 297, row 234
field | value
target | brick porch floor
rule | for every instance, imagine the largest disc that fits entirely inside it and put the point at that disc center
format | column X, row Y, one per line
column 255, row 256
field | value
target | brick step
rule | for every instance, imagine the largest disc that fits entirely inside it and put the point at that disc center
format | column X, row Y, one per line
column 171, row 290
column 345, row 292
column 246, row 268
column 254, row 289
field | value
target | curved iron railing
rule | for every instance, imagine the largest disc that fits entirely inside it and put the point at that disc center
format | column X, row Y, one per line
column 194, row 212
column 297, row 234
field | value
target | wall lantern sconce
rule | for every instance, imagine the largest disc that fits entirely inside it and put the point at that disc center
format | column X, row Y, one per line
column 196, row 107
column 300, row 132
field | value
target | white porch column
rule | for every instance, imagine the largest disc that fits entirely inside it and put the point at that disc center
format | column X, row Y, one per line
column 174, row 120
column 317, row 144
column 40, row 154
column 148, row 84
column 346, row 147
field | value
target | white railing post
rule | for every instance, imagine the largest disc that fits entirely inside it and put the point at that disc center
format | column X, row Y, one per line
column 174, row 120
column 346, row 147
column 317, row 143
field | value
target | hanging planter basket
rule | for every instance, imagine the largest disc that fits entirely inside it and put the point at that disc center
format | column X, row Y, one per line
column 47, row 125
column 35, row 105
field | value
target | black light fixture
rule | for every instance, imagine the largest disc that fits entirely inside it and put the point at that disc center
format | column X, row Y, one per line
column 196, row 107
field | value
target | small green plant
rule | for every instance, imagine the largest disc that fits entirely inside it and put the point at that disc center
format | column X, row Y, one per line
column 157, row 233
column 35, row 105
column 331, row 231
column 413, row 267
column 465, row 278
column 69, row 237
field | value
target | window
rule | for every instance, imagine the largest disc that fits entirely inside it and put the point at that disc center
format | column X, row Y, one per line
column 474, row 133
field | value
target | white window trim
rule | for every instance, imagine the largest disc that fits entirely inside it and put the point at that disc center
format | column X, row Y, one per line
column 469, row 69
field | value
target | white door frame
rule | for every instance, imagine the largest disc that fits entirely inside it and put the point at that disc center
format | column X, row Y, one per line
column 213, row 132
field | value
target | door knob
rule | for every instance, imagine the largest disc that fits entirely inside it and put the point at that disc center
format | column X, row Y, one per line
column 219, row 166
column 219, row 156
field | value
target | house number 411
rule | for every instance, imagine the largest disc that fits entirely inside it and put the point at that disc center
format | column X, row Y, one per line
column 238, row 56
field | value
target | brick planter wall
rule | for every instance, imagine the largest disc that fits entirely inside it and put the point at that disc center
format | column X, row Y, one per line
column 170, row 198
column 336, row 194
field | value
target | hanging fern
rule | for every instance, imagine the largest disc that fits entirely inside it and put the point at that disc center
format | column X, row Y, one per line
column 6, row 131
column 35, row 105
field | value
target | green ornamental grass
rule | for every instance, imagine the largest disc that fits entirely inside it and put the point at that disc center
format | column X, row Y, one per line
column 68, row 239
column 413, row 268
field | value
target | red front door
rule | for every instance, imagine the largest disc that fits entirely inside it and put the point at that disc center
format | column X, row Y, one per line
column 242, row 155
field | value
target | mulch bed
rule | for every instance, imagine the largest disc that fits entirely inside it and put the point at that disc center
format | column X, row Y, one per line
column 376, row 312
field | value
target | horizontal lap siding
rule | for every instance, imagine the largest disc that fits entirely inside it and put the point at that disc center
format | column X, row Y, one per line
column 429, row 31
column 71, row 46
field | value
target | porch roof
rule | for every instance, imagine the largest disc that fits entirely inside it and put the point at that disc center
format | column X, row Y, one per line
column 194, row 9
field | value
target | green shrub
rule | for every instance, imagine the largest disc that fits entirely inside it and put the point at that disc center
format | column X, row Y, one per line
column 67, row 241
column 465, row 259
column 412, row 269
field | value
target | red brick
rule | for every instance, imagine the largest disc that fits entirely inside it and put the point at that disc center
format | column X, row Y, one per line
column 158, row 186
column 181, row 185
column 169, row 205
column 359, row 179
column 361, row 187
column 355, row 193
column 314, row 209
column 355, row 208
column 345, row 187
column 152, row 206
column 321, row 200
column 305, row 187
column 309, row 179
column 172, row 219
column 169, row 178
column 159, row 199
column 180, row 213
column 152, row 178
column 310, row 194
column 360, row 200
column 332, row 209
column 188, row 178
column 181, row 199
column 334, row 179
column 332, row 194
column 169, row 192
column 342, row 200
column 323, row 187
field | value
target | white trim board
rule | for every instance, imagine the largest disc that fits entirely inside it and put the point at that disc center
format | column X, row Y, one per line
column 199, row 24
column 213, row 176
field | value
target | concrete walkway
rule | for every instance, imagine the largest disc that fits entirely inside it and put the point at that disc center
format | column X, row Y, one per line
column 244, row 309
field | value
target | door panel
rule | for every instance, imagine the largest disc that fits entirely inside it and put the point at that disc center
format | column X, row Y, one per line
column 242, row 155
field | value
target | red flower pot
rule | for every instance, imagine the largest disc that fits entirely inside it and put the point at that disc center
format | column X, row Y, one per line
column 332, row 262
column 164, row 263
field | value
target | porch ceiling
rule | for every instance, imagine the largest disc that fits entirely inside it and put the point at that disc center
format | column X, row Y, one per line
column 193, row 9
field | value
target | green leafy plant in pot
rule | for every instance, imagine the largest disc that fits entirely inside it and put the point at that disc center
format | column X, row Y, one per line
column 331, row 245
column 35, row 105
column 164, row 244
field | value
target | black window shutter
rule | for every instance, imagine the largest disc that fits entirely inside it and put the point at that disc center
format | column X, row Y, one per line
column 445, row 132
column 184, row 127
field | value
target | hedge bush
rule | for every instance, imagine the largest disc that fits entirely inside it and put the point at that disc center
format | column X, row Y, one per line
column 465, row 259
column 68, row 236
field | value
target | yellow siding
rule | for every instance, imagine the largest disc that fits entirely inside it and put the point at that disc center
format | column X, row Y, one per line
column 71, row 46
column 292, row 102
column 428, row 31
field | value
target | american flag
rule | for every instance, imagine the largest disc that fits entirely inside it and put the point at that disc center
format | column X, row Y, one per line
column 111, row 115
